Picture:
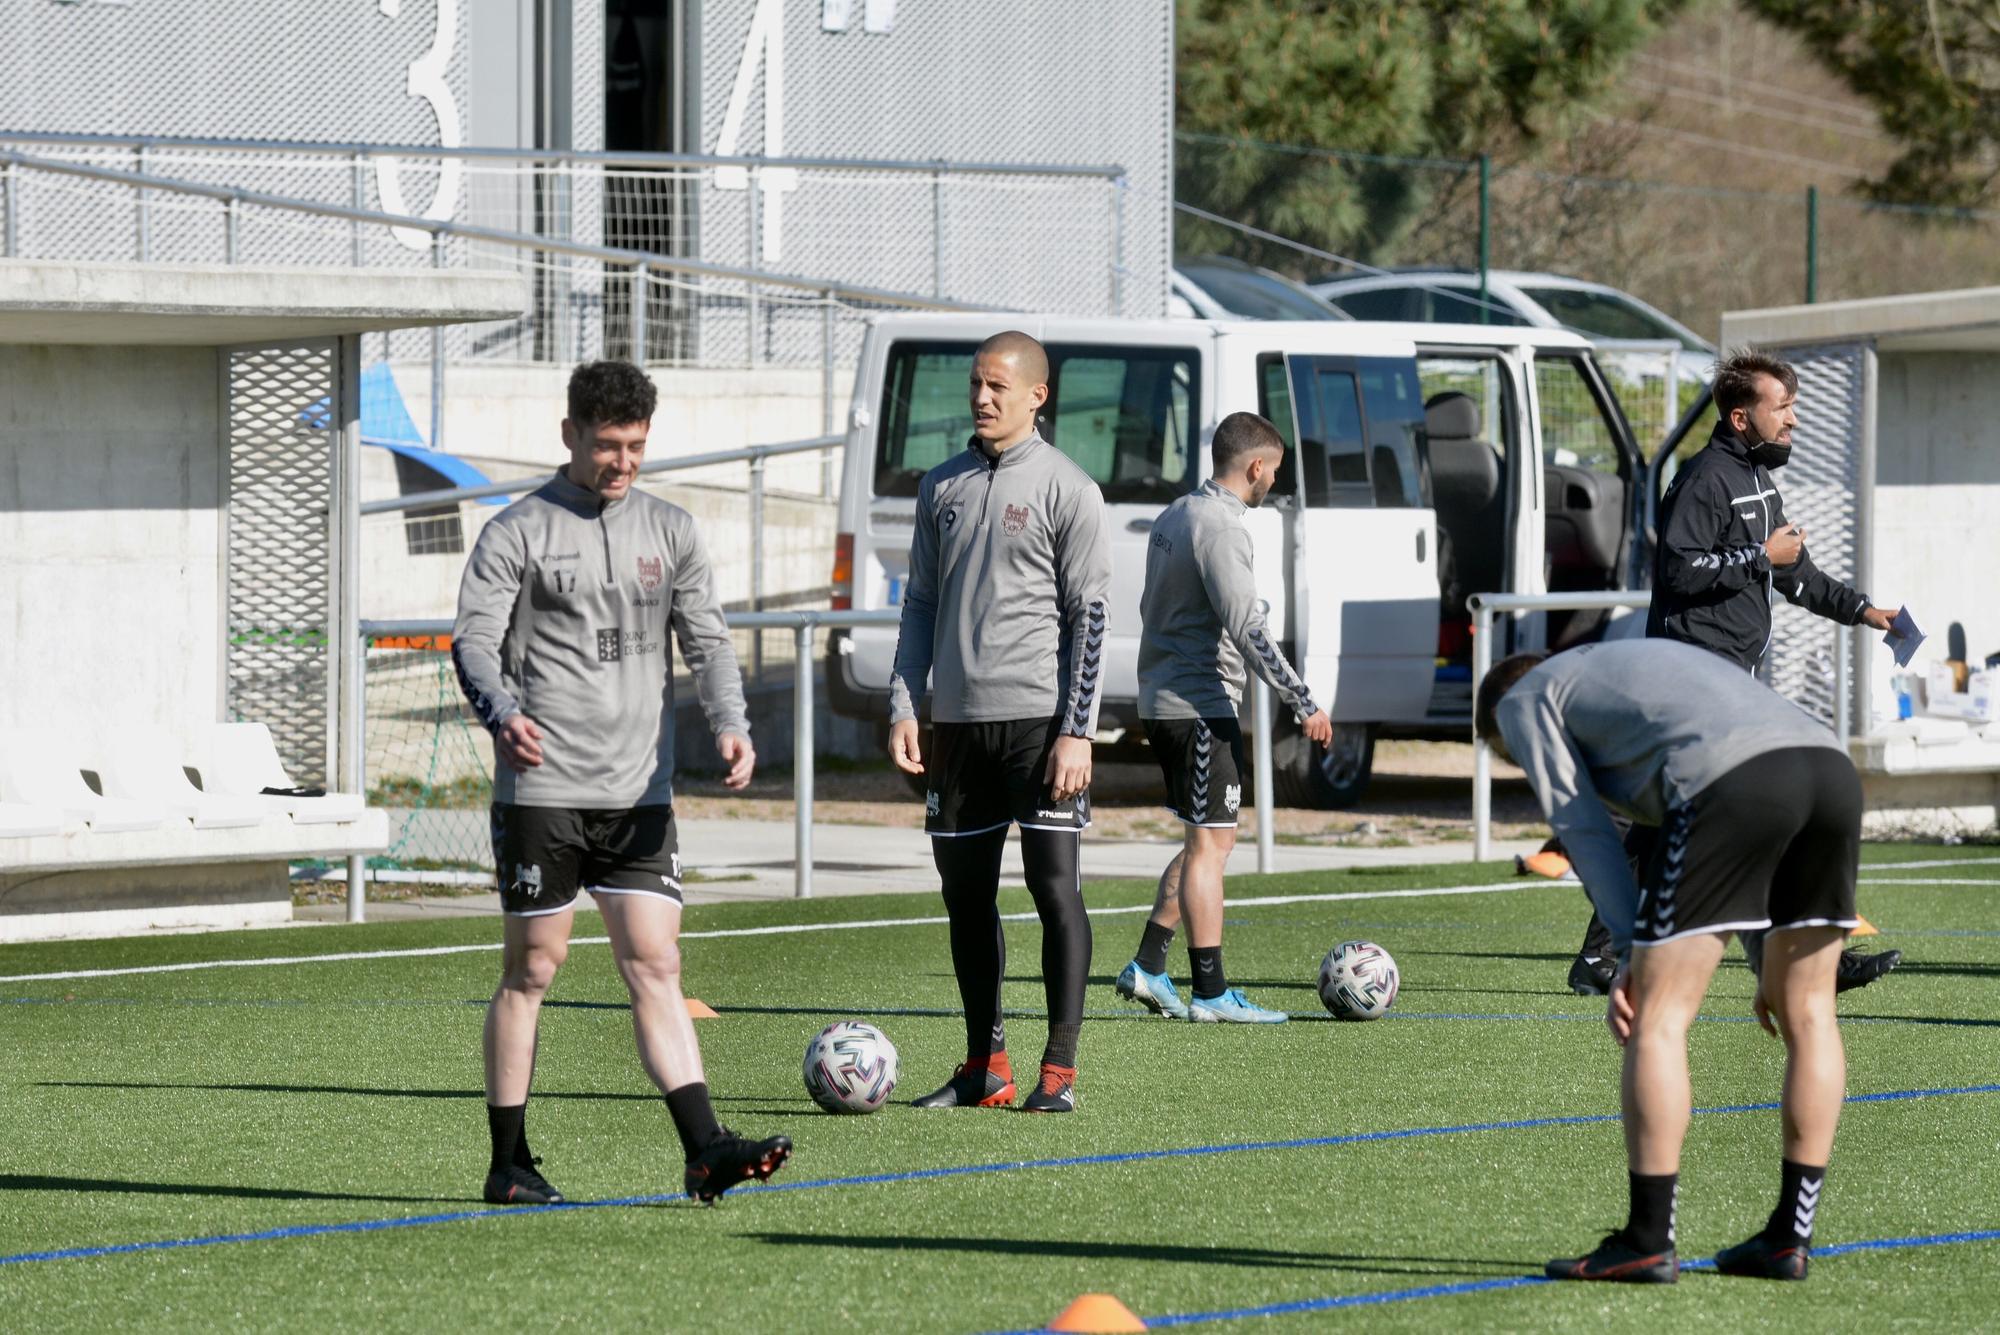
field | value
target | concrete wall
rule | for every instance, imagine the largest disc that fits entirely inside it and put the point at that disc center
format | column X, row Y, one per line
column 1937, row 496
column 111, row 556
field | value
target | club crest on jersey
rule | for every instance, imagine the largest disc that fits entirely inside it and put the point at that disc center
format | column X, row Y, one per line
column 1014, row 519
column 1232, row 796
column 652, row 570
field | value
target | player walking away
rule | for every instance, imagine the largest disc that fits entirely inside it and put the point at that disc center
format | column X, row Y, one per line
column 1758, row 811
column 561, row 648
column 1726, row 552
column 1201, row 620
column 1004, row 616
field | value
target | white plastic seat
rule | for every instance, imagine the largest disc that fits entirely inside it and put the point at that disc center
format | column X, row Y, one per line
column 240, row 760
column 142, row 763
column 40, row 768
column 24, row 820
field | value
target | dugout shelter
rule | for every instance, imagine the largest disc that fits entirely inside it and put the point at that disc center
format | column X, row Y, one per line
column 1895, row 474
column 179, row 553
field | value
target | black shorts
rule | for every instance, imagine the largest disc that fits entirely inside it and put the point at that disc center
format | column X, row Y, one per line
column 544, row 855
column 1773, row 843
column 986, row 776
column 1202, row 762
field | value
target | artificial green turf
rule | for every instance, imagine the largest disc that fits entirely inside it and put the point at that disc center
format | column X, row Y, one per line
column 220, row 1101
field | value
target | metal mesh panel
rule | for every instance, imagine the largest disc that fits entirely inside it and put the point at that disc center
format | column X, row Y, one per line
column 280, row 496
column 1820, row 484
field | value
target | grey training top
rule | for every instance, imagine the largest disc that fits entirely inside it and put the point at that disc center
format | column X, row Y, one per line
column 1010, row 570
column 1640, row 726
column 1200, row 616
column 563, row 614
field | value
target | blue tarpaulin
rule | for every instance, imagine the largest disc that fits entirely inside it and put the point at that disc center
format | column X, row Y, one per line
column 386, row 424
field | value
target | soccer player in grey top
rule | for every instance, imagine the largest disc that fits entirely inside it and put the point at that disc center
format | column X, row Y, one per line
column 561, row 648
column 1759, row 818
column 1004, row 615
column 1200, row 621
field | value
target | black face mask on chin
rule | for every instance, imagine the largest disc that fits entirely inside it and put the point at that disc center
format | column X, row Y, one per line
column 1767, row 453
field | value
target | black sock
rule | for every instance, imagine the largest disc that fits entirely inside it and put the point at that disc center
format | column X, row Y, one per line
column 508, row 1127
column 1061, row 1049
column 1153, row 942
column 969, row 876
column 1791, row 1224
column 1651, row 1225
column 1208, row 978
column 694, row 1116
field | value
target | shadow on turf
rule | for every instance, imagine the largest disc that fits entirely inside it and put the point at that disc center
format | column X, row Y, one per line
column 1255, row 1257
column 31, row 1182
column 334, row 1089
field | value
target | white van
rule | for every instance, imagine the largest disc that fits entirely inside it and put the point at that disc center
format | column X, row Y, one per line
column 1405, row 491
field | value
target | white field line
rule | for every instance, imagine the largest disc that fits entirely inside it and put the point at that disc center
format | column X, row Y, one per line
column 785, row 929
column 1920, row 866
column 1890, row 880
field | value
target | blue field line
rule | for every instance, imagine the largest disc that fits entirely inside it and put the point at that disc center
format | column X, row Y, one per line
column 1301, row 1306
column 927, row 1174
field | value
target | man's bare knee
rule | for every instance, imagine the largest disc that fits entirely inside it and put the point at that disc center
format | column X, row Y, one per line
column 655, row 972
column 533, row 969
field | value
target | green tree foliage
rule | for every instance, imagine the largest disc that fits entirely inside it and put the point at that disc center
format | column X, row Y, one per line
column 1424, row 78
column 1931, row 70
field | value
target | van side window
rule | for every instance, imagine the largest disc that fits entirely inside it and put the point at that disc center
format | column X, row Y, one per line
column 1396, row 450
column 1576, row 432
column 1124, row 414
column 1333, row 453
column 1274, row 402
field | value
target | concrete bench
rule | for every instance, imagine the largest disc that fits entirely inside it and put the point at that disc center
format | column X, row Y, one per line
column 148, row 848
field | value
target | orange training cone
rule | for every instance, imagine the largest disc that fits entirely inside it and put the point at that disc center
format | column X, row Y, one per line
column 1866, row 928
column 1545, row 863
column 1097, row 1314
column 699, row 1009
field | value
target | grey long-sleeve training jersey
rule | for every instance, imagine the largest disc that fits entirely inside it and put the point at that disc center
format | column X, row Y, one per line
column 562, row 615
column 1641, row 726
column 1010, row 570
column 1200, row 616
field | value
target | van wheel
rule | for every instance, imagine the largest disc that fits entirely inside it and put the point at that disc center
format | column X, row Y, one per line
column 1329, row 780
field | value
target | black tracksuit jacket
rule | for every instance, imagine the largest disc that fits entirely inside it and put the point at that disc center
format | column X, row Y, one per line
column 1712, row 581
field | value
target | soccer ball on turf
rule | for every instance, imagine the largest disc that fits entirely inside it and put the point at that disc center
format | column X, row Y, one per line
column 850, row 1067
column 1358, row 980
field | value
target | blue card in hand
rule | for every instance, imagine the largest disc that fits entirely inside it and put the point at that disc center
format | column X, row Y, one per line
column 1903, row 637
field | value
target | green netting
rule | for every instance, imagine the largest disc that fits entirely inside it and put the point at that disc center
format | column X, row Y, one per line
column 429, row 764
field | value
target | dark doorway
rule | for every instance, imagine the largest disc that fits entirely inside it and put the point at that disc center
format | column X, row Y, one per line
column 646, row 207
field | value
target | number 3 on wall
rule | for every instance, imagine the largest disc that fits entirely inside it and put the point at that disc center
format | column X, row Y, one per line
column 427, row 80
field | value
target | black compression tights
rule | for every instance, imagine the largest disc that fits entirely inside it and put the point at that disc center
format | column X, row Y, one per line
column 969, row 868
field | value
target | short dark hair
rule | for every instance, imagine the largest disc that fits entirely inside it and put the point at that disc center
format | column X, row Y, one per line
column 1499, row 680
column 610, row 394
column 1237, row 435
column 1735, row 383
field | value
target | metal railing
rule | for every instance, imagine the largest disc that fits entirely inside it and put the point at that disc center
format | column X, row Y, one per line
column 803, row 625
column 1484, row 607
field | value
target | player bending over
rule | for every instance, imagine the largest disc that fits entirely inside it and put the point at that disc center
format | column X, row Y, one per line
column 1200, row 621
column 561, row 648
column 1759, row 818
column 1004, row 615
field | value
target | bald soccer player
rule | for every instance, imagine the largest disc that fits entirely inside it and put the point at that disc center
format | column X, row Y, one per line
column 1004, row 617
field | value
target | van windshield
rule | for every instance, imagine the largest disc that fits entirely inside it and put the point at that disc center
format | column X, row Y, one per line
column 1124, row 414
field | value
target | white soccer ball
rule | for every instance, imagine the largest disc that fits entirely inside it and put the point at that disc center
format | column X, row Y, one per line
column 850, row 1067
column 1358, row 981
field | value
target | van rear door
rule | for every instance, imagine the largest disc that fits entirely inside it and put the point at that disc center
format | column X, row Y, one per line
column 1364, row 571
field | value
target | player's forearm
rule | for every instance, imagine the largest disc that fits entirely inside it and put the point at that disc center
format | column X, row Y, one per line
column 1086, row 675
column 911, row 671
column 1269, row 662
column 482, row 682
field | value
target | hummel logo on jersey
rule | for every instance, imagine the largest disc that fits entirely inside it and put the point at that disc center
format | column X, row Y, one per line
column 931, row 804
column 674, row 861
column 1014, row 519
column 528, row 879
column 1232, row 796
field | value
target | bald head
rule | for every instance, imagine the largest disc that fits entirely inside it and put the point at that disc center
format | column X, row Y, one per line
column 1027, row 354
column 1010, row 383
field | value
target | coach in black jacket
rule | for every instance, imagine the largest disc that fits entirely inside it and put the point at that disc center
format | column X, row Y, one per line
column 1725, row 544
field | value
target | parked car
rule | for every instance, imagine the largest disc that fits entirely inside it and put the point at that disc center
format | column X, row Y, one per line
column 1605, row 314
column 1426, row 464
column 1215, row 287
